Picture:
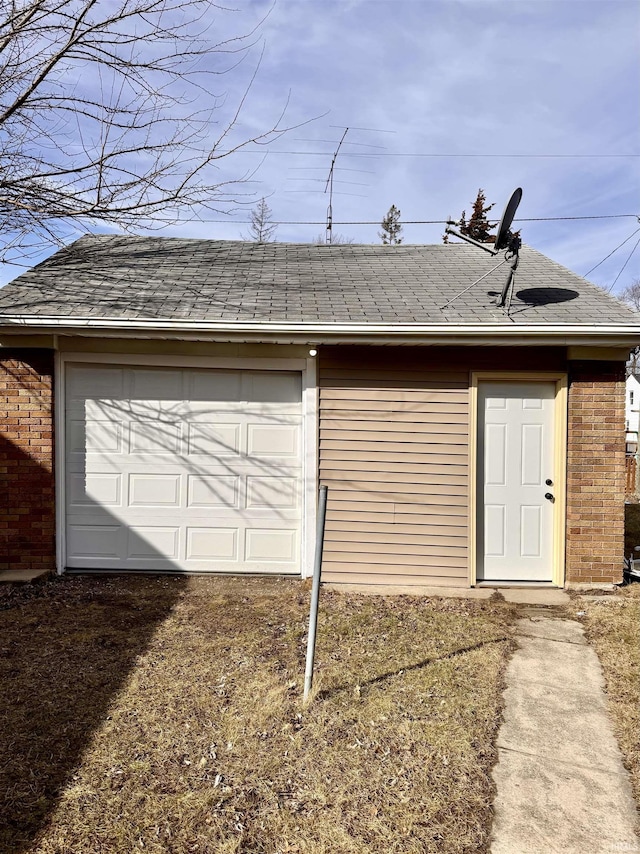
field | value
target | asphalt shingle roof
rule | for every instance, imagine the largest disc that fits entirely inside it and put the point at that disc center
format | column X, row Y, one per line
column 213, row 280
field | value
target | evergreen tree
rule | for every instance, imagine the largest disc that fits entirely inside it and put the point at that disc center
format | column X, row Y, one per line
column 261, row 229
column 391, row 227
column 478, row 226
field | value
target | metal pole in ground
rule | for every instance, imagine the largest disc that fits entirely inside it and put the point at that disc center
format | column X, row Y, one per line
column 315, row 593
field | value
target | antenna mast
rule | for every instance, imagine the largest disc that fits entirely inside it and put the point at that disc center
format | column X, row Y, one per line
column 329, row 187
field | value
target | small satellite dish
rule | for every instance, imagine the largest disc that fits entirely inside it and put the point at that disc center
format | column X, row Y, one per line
column 502, row 237
column 505, row 239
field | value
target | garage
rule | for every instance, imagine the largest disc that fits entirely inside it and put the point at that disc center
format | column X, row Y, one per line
column 182, row 469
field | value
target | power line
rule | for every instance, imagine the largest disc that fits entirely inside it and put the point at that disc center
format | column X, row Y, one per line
column 369, row 130
column 625, row 264
column 428, row 154
column 557, row 218
column 612, row 252
column 408, row 222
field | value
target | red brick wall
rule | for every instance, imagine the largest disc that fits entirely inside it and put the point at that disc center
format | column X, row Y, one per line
column 595, row 473
column 27, row 510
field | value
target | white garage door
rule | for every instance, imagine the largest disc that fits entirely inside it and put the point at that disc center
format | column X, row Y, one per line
column 183, row 469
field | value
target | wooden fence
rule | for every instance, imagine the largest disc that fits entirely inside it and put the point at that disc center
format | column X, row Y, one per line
column 630, row 476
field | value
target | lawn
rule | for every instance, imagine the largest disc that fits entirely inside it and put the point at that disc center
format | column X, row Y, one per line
column 612, row 625
column 165, row 715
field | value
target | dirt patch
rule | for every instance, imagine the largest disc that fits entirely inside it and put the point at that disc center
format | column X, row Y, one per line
column 165, row 715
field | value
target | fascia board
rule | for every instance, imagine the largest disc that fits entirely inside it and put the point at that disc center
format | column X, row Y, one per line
column 333, row 332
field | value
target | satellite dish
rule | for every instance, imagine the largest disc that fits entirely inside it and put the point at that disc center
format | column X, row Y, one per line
column 505, row 239
column 502, row 237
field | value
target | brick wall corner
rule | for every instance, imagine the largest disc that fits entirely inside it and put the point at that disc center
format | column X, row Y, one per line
column 27, row 487
column 595, row 473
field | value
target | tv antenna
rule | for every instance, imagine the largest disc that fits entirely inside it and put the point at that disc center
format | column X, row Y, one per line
column 505, row 239
column 329, row 187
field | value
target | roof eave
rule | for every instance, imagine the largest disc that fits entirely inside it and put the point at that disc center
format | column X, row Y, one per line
column 327, row 333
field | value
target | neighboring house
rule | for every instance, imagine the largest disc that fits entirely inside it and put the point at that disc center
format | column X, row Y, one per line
column 195, row 393
column 632, row 412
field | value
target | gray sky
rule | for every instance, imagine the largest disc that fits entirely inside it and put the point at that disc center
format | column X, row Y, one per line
column 442, row 97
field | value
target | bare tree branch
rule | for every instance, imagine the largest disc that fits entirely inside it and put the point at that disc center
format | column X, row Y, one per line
column 631, row 295
column 261, row 227
column 108, row 113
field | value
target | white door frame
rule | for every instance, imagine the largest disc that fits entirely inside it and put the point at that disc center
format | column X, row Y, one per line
column 309, row 452
column 559, row 464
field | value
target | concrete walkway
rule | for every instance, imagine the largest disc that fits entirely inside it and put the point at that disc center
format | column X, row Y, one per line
column 561, row 784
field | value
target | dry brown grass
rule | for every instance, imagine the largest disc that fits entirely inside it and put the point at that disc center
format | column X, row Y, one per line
column 164, row 715
column 612, row 625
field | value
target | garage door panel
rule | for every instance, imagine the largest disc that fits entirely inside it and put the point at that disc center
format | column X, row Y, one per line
column 195, row 467
column 94, row 437
column 260, row 387
column 266, row 493
column 103, row 488
column 219, row 491
column 212, row 544
column 90, row 381
column 187, row 470
column 87, row 541
column 214, row 386
column 271, row 545
column 154, row 437
column 152, row 490
column 214, row 439
column 273, row 440
column 146, row 542
column 156, row 384
column 227, row 387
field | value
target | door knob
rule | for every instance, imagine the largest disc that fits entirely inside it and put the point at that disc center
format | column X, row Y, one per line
column 548, row 496
column 549, row 482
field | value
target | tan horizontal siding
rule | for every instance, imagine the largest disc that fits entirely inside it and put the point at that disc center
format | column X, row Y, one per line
column 441, row 386
column 420, row 452
column 389, row 476
column 443, row 396
column 384, row 375
column 392, row 361
column 442, row 444
column 395, row 424
column 349, row 466
column 374, row 572
column 348, row 452
column 428, row 411
column 363, row 500
column 400, row 417
column 373, row 558
column 407, row 499
column 346, row 512
column 334, row 575
column 347, row 503
column 394, row 453
column 391, row 535
column 401, row 493
column 361, row 549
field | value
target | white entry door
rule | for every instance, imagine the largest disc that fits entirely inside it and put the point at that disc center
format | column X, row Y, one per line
column 516, row 481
